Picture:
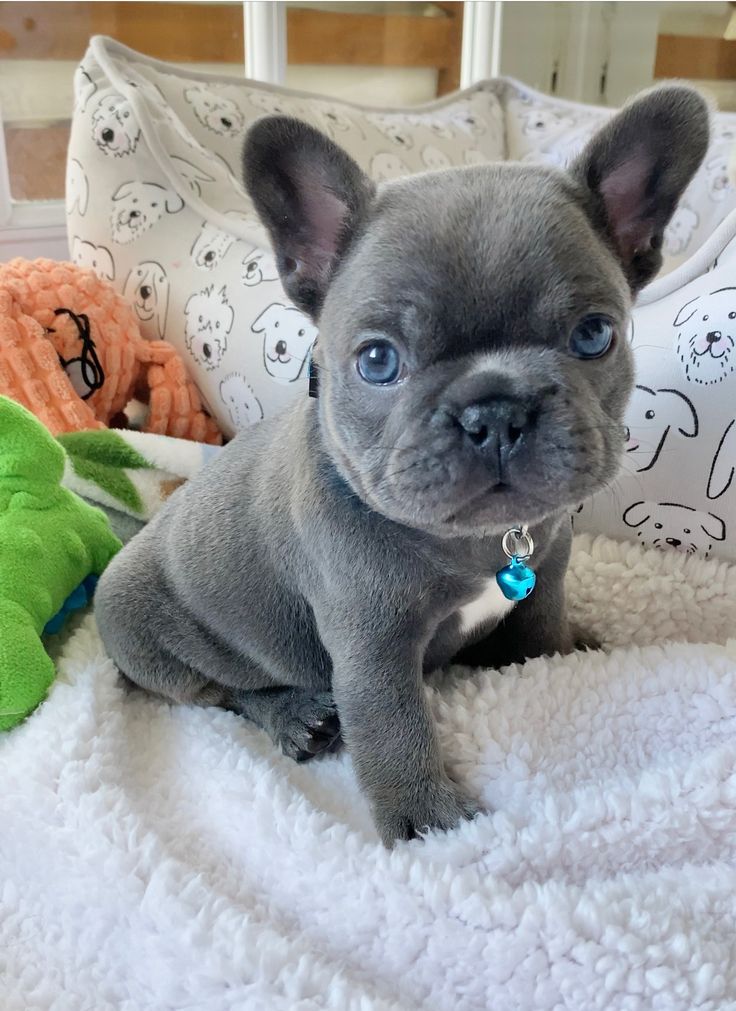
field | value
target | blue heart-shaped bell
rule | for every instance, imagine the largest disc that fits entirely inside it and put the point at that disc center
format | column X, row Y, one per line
column 516, row 579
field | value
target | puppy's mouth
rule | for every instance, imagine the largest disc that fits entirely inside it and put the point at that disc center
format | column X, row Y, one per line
column 281, row 359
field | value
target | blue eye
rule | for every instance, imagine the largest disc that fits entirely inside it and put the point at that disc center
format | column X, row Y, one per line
column 592, row 337
column 379, row 363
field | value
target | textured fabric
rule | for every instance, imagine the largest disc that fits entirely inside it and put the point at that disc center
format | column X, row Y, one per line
column 553, row 131
column 50, row 542
column 157, row 857
column 71, row 352
column 676, row 489
column 155, row 204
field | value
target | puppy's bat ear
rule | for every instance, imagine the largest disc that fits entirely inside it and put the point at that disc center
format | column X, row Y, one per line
column 310, row 195
column 636, row 168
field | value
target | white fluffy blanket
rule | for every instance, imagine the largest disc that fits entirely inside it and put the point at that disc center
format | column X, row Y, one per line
column 155, row 857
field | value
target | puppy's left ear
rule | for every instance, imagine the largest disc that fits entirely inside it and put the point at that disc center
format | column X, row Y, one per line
column 310, row 195
column 636, row 168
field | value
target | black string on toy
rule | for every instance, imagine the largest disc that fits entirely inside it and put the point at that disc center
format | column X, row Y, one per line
column 89, row 364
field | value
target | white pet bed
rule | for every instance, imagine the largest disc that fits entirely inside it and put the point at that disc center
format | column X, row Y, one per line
column 158, row 858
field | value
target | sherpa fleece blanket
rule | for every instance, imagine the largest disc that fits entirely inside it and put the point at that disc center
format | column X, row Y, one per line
column 162, row 858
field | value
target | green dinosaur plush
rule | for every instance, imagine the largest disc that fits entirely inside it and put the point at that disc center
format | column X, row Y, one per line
column 51, row 544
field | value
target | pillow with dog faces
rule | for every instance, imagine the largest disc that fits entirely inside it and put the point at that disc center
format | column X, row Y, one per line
column 540, row 128
column 155, row 204
column 676, row 490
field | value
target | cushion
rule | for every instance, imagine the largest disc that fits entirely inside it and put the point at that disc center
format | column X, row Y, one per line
column 676, row 490
column 155, row 204
column 551, row 130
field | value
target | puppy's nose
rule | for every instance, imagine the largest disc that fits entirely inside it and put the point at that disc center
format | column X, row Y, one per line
column 107, row 135
column 496, row 426
column 145, row 291
column 280, row 347
column 673, row 541
column 713, row 336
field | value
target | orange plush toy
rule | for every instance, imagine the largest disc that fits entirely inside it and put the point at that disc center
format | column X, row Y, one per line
column 72, row 353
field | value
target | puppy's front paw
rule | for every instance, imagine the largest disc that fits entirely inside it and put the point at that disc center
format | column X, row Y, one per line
column 435, row 806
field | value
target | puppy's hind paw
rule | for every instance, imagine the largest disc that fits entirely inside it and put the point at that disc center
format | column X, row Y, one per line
column 309, row 727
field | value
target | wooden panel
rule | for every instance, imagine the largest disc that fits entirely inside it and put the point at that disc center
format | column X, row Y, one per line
column 181, row 32
column 213, row 33
column 696, row 57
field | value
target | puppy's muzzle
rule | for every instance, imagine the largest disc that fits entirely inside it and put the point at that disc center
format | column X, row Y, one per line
column 495, row 427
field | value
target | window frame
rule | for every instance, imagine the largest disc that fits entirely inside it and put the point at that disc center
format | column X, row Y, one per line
column 40, row 226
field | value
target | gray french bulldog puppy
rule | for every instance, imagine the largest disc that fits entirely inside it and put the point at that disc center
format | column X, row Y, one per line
column 474, row 373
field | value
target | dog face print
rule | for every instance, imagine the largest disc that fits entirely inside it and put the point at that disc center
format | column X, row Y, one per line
column 77, row 188
column 210, row 247
column 84, row 88
column 334, row 121
column 680, row 230
column 208, row 321
column 386, row 165
column 272, row 104
column 257, row 267
column 147, row 290
column 115, row 129
column 288, row 336
column 716, row 171
column 139, row 206
column 243, row 406
column 441, row 128
column 91, row 257
column 705, row 339
column 651, row 418
column 474, row 157
column 433, row 158
column 723, row 466
column 667, row 525
column 193, row 175
column 393, row 128
column 542, row 123
column 219, row 114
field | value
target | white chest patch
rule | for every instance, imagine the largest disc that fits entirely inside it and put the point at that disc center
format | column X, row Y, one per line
column 490, row 603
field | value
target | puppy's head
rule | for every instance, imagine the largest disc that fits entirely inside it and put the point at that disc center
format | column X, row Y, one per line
column 475, row 367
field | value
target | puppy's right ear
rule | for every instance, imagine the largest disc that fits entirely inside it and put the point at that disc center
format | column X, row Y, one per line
column 310, row 195
column 636, row 169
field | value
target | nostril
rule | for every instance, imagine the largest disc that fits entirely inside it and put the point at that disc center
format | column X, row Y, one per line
column 478, row 436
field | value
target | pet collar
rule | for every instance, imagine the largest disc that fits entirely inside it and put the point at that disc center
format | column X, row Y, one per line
column 516, row 580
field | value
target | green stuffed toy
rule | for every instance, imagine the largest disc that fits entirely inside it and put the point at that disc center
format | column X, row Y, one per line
column 53, row 546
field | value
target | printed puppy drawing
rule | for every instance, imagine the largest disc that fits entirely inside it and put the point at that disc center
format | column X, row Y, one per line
column 193, row 175
column 288, row 336
column 210, row 247
column 544, row 123
column 386, row 166
column 147, row 290
column 84, row 88
column 139, row 206
column 705, row 342
column 258, row 267
column 243, row 406
column 208, row 320
column 433, row 158
column 92, row 257
column 724, row 464
column 115, row 129
column 679, row 527
column 77, row 188
column 217, row 113
column 392, row 127
column 716, row 170
column 650, row 418
column 680, row 230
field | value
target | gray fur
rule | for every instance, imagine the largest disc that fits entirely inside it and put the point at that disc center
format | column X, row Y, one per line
column 330, row 550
